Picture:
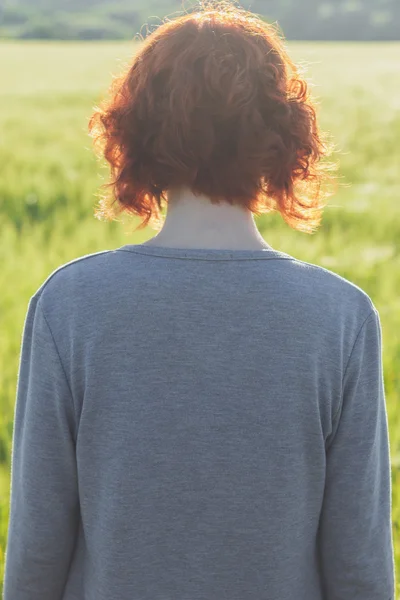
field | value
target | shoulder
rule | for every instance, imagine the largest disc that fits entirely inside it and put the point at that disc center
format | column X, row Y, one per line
column 323, row 285
column 71, row 280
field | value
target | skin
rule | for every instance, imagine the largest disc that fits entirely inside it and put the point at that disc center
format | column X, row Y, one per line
column 194, row 222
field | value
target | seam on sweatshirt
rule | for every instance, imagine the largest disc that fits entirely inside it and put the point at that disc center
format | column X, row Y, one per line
column 62, row 367
column 70, row 263
column 371, row 314
column 230, row 259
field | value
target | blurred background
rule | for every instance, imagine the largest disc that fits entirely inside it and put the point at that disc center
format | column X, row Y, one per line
column 105, row 19
column 56, row 63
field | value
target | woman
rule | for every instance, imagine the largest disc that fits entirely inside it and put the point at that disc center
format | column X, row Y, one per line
column 201, row 415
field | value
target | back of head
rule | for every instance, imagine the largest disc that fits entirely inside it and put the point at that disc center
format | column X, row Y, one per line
column 212, row 101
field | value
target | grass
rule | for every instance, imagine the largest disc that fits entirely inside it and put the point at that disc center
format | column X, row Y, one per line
column 50, row 176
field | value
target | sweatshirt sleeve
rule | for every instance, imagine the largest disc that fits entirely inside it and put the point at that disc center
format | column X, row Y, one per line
column 44, row 509
column 355, row 530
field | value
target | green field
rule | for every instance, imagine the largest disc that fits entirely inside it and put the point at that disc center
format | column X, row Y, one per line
column 49, row 178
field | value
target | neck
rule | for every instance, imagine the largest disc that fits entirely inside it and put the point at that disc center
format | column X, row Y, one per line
column 194, row 222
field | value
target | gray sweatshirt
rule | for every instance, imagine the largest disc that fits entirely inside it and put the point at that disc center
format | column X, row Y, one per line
column 200, row 425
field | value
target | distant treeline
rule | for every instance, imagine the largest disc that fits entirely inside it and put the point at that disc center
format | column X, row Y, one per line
column 123, row 19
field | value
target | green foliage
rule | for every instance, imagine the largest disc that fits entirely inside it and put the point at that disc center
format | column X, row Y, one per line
column 50, row 177
column 309, row 19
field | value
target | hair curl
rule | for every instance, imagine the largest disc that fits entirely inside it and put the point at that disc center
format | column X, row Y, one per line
column 212, row 101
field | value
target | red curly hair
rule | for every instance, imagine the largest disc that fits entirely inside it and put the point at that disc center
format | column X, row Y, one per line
column 212, row 102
